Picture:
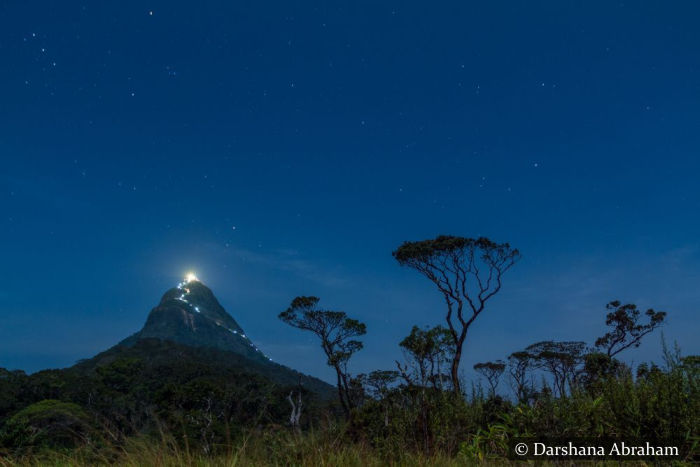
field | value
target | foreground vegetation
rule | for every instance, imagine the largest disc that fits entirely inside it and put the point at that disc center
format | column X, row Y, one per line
column 404, row 426
column 156, row 402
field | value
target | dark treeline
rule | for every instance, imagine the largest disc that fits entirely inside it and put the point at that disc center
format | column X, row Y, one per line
column 207, row 400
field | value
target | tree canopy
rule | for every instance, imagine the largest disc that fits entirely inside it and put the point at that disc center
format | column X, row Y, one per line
column 626, row 330
column 467, row 272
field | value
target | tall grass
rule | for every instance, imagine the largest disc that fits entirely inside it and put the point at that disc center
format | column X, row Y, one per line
column 269, row 448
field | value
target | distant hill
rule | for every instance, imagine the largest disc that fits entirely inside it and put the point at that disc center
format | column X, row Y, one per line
column 167, row 356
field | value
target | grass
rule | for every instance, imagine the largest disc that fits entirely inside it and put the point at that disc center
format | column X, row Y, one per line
column 280, row 448
column 262, row 449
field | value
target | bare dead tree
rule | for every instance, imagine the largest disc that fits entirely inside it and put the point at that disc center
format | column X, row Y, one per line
column 467, row 272
column 295, row 416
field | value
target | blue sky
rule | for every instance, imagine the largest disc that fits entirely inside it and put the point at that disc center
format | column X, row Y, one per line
column 286, row 148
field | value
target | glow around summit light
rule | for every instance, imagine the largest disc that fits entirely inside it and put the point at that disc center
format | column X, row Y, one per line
column 191, row 277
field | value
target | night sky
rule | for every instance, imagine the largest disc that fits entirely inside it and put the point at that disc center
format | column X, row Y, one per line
column 286, row 148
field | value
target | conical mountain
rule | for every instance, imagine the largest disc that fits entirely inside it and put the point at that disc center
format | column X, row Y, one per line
column 190, row 314
column 190, row 324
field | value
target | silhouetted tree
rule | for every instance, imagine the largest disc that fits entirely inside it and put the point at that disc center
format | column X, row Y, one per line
column 379, row 382
column 336, row 332
column 626, row 329
column 428, row 352
column 563, row 360
column 597, row 367
column 378, row 385
column 467, row 272
column 357, row 394
column 492, row 371
column 518, row 365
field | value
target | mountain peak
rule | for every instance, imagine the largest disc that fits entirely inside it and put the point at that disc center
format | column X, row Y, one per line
column 195, row 297
column 190, row 314
column 189, row 323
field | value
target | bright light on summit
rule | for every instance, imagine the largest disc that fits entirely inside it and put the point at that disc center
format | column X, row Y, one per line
column 191, row 277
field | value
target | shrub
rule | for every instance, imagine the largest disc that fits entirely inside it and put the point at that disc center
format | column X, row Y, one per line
column 49, row 424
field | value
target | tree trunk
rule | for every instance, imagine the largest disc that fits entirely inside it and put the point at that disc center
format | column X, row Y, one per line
column 455, row 370
column 341, row 396
column 295, row 416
